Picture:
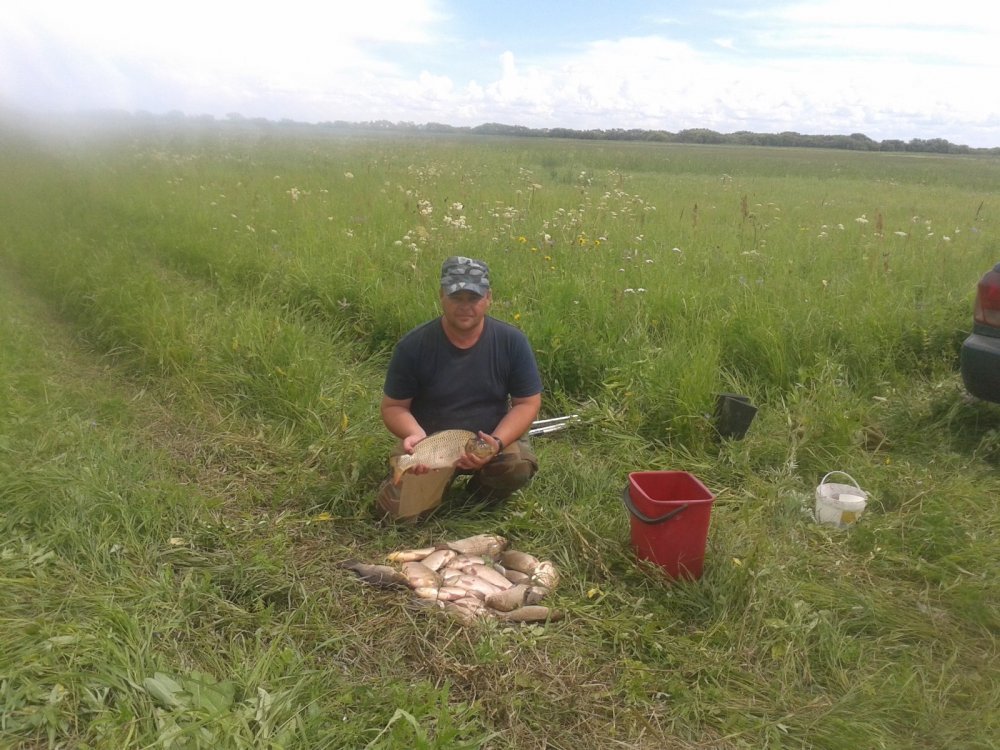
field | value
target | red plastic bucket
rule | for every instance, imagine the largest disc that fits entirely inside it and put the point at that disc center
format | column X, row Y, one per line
column 670, row 512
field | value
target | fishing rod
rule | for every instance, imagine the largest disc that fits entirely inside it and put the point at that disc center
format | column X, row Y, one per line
column 554, row 424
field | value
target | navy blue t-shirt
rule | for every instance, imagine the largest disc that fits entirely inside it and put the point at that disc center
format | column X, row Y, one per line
column 462, row 389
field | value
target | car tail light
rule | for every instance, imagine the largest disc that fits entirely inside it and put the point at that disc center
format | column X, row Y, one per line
column 987, row 311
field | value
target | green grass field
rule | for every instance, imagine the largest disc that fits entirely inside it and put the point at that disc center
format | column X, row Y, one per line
column 194, row 325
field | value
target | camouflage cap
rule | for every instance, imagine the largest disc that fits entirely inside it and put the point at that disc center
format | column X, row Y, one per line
column 461, row 274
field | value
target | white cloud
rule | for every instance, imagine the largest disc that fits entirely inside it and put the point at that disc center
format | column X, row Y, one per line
column 887, row 69
column 440, row 87
column 232, row 51
column 886, row 13
column 962, row 32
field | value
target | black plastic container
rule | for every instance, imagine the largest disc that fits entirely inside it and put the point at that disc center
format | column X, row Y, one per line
column 733, row 415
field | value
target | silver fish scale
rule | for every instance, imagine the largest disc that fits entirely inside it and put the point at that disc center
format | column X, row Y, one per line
column 438, row 451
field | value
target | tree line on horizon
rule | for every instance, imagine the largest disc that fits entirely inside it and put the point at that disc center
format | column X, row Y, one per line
column 704, row 136
column 852, row 142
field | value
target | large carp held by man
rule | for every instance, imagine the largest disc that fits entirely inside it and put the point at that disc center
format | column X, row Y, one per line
column 439, row 451
column 471, row 578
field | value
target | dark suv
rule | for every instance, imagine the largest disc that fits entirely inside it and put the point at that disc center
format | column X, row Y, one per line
column 980, row 360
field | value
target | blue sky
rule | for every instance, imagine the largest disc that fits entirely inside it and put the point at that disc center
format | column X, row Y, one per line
column 885, row 68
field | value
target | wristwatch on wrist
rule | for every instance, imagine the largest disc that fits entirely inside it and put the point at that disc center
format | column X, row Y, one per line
column 499, row 443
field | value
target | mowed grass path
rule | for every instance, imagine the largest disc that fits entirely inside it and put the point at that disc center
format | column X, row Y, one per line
column 173, row 515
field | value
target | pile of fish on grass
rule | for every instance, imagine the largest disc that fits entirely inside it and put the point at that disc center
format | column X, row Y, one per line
column 470, row 578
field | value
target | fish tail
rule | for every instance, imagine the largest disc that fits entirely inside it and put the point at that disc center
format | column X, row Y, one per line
column 397, row 471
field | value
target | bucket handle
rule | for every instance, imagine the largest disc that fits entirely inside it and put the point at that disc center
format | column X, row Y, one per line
column 853, row 481
column 627, row 499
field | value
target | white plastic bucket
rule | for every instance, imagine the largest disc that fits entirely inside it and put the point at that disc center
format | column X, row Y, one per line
column 839, row 505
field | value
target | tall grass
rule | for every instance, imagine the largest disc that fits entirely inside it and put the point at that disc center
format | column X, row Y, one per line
column 195, row 323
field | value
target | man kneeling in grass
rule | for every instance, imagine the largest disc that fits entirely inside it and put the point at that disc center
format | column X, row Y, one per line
column 468, row 371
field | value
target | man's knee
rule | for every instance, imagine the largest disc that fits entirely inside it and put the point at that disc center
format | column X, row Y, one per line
column 507, row 473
